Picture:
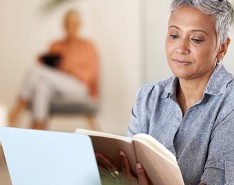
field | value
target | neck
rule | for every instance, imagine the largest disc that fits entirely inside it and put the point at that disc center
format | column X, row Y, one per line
column 189, row 92
column 72, row 38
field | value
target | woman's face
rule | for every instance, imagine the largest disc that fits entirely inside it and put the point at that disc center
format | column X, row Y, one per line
column 71, row 25
column 191, row 44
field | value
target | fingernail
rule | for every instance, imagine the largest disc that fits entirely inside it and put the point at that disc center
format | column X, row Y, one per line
column 121, row 153
column 139, row 166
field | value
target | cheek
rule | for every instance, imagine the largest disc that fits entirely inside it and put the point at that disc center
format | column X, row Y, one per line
column 207, row 55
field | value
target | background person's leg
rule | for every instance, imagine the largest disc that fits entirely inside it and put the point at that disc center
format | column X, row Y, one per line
column 40, row 104
column 25, row 95
column 40, row 85
column 14, row 114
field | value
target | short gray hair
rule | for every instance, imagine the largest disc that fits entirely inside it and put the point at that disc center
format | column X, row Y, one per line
column 221, row 10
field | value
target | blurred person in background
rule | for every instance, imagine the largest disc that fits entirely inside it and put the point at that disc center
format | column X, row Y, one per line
column 76, row 75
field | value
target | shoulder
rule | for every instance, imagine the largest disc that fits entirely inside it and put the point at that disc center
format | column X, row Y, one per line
column 228, row 96
column 226, row 99
column 87, row 42
column 227, row 91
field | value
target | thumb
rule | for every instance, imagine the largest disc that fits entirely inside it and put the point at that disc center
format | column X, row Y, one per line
column 141, row 177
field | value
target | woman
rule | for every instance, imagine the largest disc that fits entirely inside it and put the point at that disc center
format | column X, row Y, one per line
column 192, row 113
column 76, row 75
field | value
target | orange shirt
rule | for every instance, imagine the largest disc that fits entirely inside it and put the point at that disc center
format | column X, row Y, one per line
column 79, row 59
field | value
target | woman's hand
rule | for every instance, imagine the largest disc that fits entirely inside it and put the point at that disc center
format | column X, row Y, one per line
column 125, row 176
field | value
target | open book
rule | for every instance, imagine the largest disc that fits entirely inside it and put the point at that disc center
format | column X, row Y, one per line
column 159, row 163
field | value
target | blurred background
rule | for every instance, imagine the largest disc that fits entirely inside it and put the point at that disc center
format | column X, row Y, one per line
column 129, row 37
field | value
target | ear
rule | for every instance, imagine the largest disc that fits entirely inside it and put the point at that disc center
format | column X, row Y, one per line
column 223, row 49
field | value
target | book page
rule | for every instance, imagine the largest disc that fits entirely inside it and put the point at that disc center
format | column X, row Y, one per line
column 102, row 134
column 156, row 146
column 160, row 170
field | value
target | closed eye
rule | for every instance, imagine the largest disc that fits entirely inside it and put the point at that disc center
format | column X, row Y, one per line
column 197, row 41
column 173, row 36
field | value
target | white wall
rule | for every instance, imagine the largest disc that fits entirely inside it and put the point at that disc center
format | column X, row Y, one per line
column 156, row 67
column 114, row 26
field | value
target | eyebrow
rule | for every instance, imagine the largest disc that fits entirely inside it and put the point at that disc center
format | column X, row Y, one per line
column 196, row 30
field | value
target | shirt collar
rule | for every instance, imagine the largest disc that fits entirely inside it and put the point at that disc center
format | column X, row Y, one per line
column 169, row 87
column 219, row 81
column 217, row 84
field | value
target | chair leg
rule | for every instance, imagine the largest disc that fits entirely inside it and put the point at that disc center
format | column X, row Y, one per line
column 91, row 122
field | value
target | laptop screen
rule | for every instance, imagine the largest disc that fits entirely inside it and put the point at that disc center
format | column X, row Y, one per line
column 49, row 158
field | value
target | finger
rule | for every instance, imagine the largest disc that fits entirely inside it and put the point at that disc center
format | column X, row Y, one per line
column 141, row 177
column 125, row 164
column 99, row 161
column 107, row 162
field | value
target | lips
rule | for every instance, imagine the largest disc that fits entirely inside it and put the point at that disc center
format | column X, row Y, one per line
column 181, row 62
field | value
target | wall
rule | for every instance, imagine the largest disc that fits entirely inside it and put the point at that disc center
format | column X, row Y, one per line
column 114, row 26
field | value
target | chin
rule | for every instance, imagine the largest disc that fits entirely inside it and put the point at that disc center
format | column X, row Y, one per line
column 183, row 74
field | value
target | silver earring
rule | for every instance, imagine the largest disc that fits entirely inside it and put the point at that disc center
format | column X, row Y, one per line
column 220, row 61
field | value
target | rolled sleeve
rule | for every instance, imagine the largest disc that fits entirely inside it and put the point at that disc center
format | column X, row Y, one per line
column 219, row 168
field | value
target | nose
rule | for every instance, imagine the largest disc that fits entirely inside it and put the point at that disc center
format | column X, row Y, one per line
column 183, row 47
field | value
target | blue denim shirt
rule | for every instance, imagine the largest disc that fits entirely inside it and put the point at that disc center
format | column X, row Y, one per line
column 203, row 139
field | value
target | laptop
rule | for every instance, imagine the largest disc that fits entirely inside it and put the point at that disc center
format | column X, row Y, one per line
column 36, row 157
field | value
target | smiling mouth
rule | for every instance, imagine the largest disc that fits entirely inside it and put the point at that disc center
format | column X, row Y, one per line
column 181, row 62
